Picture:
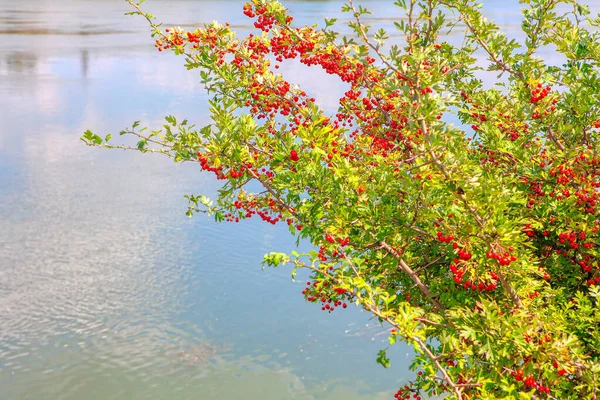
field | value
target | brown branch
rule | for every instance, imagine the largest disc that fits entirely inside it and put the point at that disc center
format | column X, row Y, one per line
column 446, row 174
column 553, row 137
column 413, row 276
column 290, row 209
column 363, row 34
column 511, row 292
column 490, row 53
column 428, row 322
column 456, row 388
column 538, row 28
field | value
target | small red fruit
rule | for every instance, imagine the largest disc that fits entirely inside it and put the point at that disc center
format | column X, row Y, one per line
column 294, row 155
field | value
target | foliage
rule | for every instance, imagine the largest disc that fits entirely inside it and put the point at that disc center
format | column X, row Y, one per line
column 476, row 242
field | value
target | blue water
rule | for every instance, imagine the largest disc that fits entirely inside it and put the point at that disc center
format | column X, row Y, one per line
column 107, row 289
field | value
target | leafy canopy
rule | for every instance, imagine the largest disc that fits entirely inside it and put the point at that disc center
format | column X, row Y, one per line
column 476, row 241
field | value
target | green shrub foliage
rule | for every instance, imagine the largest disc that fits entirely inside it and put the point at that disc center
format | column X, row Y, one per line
column 464, row 215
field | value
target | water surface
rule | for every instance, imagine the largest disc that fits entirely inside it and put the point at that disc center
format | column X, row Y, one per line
column 107, row 290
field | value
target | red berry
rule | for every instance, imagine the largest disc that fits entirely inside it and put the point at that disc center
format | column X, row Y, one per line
column 294, row 155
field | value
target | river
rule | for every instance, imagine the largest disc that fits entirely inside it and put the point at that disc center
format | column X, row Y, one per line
column 107, row 289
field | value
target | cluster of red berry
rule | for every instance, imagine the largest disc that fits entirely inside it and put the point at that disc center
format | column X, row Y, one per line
column 205, row 165
column 503, row 259
column 268, row 212
column 480, row 286
column 529, row 381
column 406, row 393
column 444, row 239
column 330, row 300
column 536, row 96
column 539, row 93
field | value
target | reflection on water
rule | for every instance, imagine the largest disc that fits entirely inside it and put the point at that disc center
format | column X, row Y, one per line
column 21, row 62
column 107, row 291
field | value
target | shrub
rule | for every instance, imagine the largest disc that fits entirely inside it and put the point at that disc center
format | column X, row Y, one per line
column 464, row 216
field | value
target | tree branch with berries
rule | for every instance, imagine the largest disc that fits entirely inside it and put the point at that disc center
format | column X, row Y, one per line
column 463, row 216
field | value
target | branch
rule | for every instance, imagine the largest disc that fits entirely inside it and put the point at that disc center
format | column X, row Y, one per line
column 446, row 174
column 456, row 388
column 493, row 56
column 511, row 292
column 553, row 137
column 363, row 34
column 413, row 275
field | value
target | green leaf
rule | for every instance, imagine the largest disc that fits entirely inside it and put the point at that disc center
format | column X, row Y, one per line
column 171, row 120
column 91, row 138
column 330, row 21
column 383, row 359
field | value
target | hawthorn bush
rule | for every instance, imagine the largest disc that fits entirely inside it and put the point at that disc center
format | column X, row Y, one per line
column 476, row 241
